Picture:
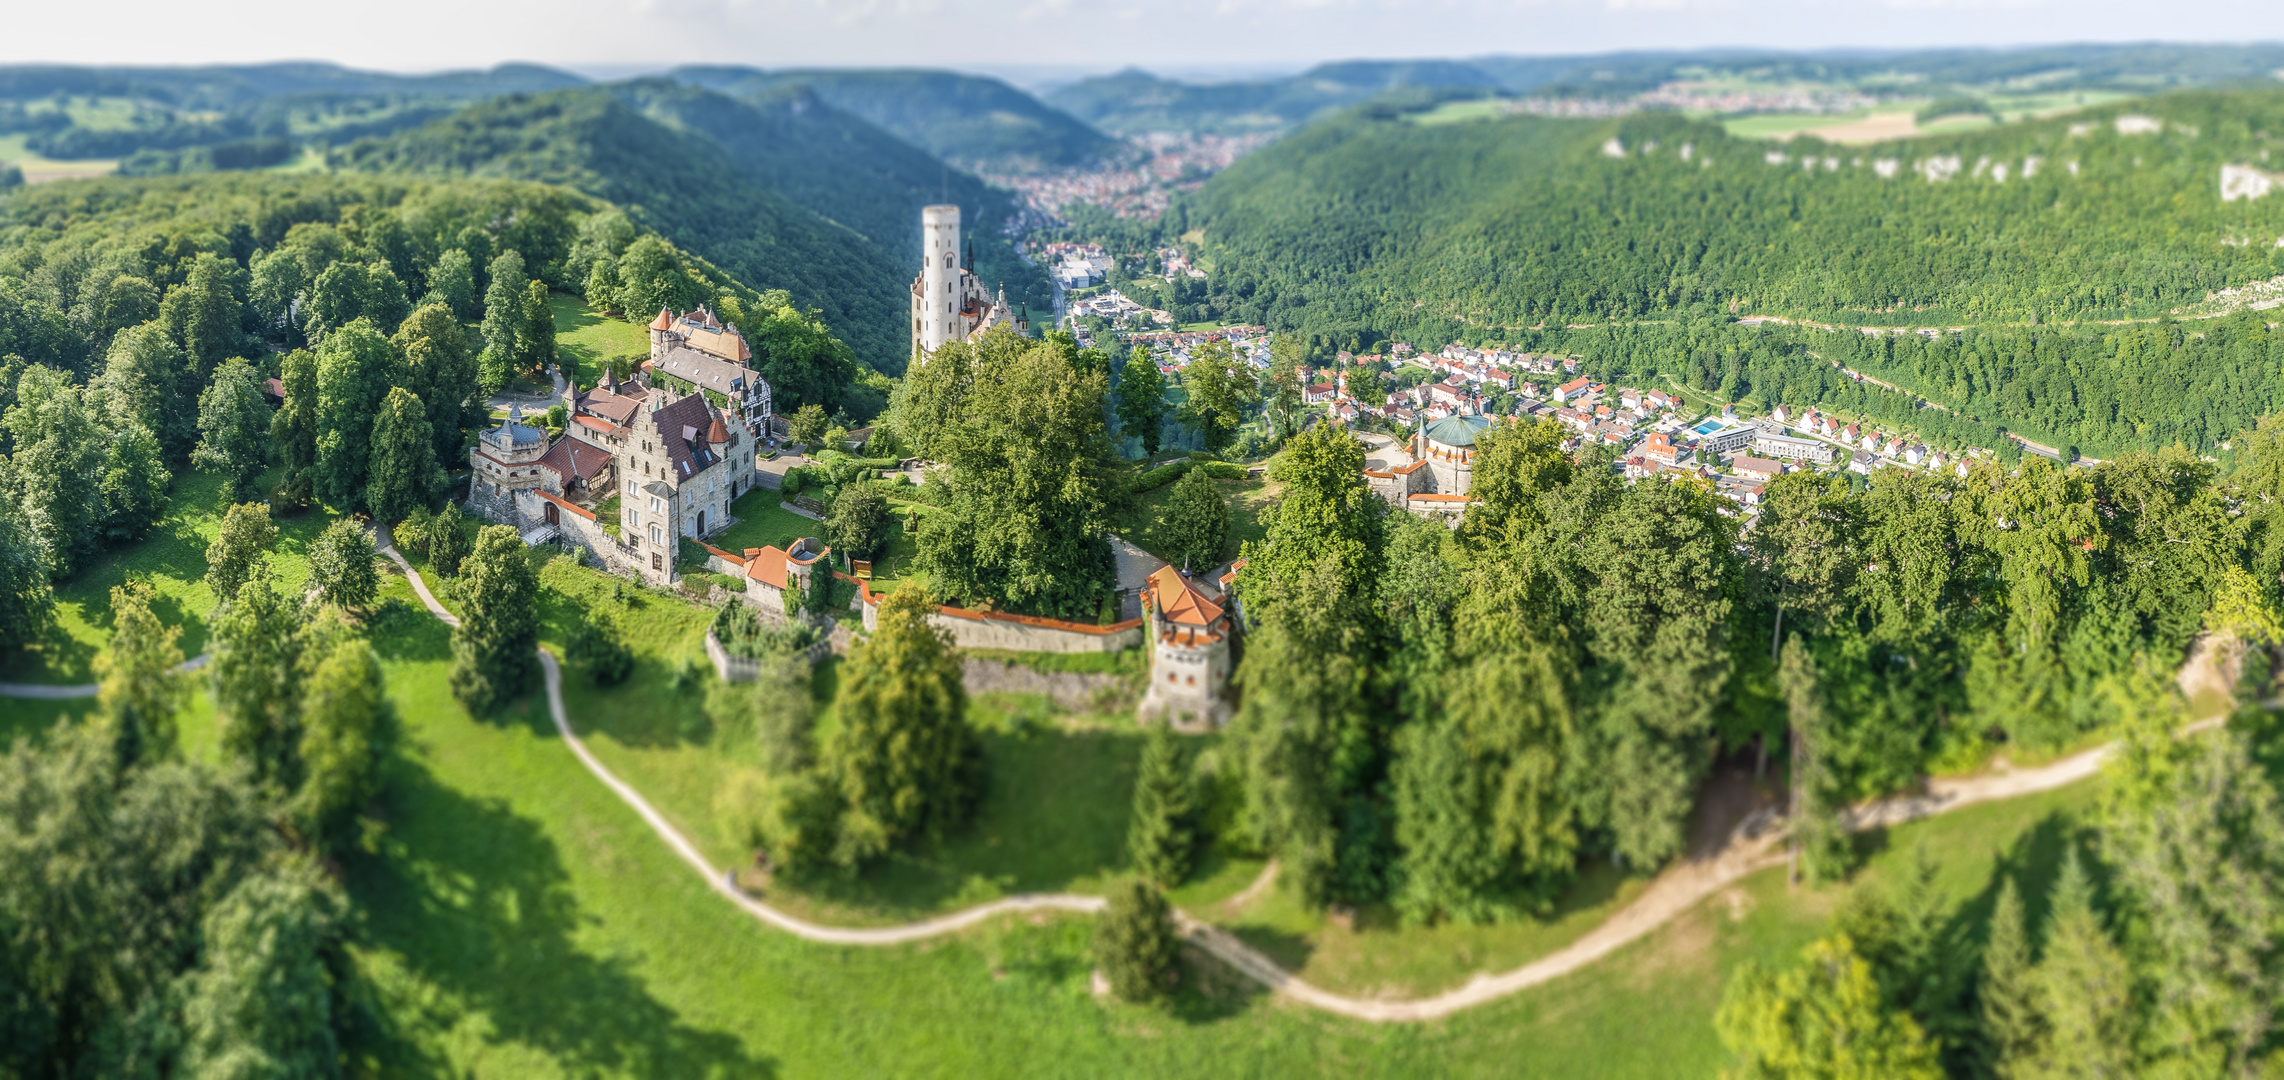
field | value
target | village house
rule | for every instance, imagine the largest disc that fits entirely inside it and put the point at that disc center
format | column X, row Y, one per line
column 1571, row 389
column 1756, row 468
column 1790, row 448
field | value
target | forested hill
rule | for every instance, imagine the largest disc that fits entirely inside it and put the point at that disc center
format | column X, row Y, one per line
column 677, row 182
column 1377, row 224
column 1134, row 100
column 848, row 170
column 970, row 119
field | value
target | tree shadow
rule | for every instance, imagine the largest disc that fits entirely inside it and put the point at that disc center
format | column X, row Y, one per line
column 1211, row 991
column 1291, row 951
column 476, row 901
column 400, row 630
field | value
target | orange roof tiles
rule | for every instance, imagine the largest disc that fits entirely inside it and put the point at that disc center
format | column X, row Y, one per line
column 1181, row 602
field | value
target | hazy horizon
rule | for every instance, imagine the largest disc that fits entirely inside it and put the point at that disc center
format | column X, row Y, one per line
column 1044, row 41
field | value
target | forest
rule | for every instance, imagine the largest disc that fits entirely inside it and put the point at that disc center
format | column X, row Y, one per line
column 1372, row 226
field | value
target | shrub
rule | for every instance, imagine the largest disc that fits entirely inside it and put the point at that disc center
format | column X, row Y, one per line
column 598, row 646
column 1135, row 944
column 743, row 634
column 1161, row 476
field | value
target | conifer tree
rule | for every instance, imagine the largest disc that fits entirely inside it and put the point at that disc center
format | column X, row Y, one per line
column 234, row 428
column 2013, row 1032
column 494, row 647
column 504, row 321
column 1821, row 1019
column 2084, row 988
column 236, row 553
column 447, row 541
column 1135, row 944
column 1162, row 840
column 404, row 472
column 293, row 429
column 138, row 691
column 1820, row 841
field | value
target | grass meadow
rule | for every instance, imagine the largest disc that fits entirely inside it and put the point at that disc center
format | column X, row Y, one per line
column 515, row 919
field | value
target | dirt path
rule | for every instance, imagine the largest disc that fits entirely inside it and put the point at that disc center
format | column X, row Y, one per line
column 1753, row 845
column 39, row 692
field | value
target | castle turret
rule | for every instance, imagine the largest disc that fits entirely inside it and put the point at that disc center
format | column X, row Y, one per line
column 937, row 308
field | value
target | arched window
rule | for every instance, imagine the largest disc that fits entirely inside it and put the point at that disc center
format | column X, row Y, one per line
column 947, row 260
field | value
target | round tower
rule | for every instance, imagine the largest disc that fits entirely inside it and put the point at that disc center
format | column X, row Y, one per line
column 940, row 275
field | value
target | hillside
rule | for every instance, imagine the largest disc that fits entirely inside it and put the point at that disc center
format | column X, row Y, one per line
column 845, row 169
column 1134, row 100
column 969, row 120
column 683, row 185
column 1373, row 222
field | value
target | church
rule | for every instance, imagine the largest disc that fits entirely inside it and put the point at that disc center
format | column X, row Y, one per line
column 949, row 302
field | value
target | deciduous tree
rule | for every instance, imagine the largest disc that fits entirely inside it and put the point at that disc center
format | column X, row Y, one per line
column 1218, row 388
column 341, row 565
column 138, row 691
column 1196, row 528
column 494, row 647
column 404, row 473
column 294, row 428
column 234, row 428
column 1142, row 401
column 354, row 365
column 904, row 758
column 238, row 548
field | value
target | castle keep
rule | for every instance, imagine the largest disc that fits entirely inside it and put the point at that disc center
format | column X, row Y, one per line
column 948, row 301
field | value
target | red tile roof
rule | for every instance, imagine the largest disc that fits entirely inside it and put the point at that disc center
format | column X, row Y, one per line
column 1178, row 601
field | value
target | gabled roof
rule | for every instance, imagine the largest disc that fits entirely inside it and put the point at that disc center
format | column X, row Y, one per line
column 1178, row 601
column 766, row 565
column 571, row 460
column 687, row 455
column 707, row 371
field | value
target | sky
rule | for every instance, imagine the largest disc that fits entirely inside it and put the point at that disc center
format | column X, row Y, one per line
column 1036, row 41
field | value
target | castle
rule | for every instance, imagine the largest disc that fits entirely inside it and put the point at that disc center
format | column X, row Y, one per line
column 674, row 458
column 948, row 301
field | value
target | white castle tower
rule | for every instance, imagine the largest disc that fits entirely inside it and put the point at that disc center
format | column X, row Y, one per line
column 949, row 303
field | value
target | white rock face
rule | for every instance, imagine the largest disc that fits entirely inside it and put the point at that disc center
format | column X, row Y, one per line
column 1939, row 169
column 2136, row 124
column 1613, row 148
column 1886, row 167
column 1776, row 157
column 2244, row 182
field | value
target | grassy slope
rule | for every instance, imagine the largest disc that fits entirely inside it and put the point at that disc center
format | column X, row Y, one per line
column 519, row 921
column 584, row 338
column 1247, row 498
column 173, row 560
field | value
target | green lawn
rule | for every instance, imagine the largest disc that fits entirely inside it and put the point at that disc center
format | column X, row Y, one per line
column 764, row 523
column 173, row 560
column 585, row 338
column 517, row 920
column 1247, row 498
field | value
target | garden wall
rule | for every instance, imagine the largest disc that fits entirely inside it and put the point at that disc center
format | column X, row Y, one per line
column 1016, row 633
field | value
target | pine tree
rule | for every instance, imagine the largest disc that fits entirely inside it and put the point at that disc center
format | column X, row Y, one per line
column 1135, row 944
column 504, row 311
column 447, row 541
column 1142, row 401
column 2013, row 1033
column 1162, row 840
column 293, row 429
column 341, row 565
column 1820, row 841
column 1197, row 522
column 494, row 649
column 2084, row 988
column 234, row 428
column 404, row 472
column 236, row 553
column 138, row 691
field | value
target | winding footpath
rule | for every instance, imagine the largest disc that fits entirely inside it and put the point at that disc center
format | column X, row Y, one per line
column 42, row 692
column 1755, row 845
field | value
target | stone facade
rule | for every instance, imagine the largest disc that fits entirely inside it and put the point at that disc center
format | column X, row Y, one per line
column 949, row 303
column 1189, row 633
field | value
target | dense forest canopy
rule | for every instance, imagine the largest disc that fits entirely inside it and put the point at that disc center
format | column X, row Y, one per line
column 1373, row 222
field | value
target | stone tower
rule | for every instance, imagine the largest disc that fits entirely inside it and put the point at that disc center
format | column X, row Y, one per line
column 936, row 310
